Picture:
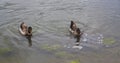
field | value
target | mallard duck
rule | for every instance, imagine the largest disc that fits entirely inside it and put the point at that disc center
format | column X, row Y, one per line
column 75, row 31
column 24, row 30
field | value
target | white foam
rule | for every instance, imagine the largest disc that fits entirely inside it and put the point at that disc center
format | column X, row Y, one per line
column 78, row 47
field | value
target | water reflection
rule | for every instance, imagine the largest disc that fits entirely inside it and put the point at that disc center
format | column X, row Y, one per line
column 29, row 40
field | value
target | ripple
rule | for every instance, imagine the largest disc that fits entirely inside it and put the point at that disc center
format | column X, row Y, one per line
column 9, row 4
column 2, row 8
column 5, row 5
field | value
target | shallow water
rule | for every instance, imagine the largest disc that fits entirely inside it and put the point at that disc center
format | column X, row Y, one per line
column 50, row 20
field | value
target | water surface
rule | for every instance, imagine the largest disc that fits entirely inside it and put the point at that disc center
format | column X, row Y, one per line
column 51, row 42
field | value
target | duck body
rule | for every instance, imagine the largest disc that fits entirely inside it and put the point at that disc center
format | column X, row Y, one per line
column 23, row 29
column 74, row 33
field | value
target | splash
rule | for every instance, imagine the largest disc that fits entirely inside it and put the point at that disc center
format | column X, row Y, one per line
column 92, row 40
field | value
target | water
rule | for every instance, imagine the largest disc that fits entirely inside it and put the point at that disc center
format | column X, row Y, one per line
column 50, row 19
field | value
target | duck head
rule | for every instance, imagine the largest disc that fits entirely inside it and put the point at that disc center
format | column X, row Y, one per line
column 30, row 30
column 73, row 26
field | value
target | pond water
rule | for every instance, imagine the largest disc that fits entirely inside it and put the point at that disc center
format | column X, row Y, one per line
column 51, row 41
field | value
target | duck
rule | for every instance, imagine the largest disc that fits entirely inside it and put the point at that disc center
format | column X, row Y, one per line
column 25, row 30
column 75, row 31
